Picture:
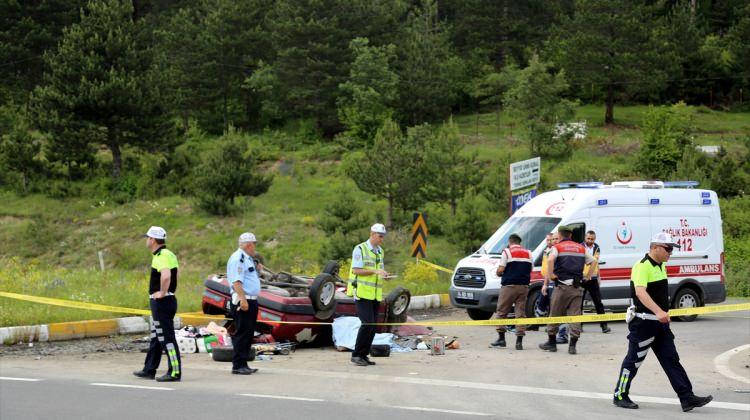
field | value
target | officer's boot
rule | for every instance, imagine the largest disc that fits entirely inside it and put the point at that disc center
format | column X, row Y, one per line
column 500, row 342
column 550, row 345
column 519, row 342
column 572, row 346
column 605, row 328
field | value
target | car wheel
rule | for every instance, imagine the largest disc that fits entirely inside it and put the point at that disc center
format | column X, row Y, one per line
column 323, row 296
column 532, row 301
column 478, row 314
column 332, row 267
column 398, row 303
column 686, row 298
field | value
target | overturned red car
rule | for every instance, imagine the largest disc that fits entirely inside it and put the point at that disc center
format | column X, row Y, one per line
column 292, row 298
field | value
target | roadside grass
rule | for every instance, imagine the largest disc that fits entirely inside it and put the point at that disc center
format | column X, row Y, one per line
column 49, row 247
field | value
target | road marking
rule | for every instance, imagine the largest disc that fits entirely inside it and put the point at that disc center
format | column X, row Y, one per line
column 496, row 387
column 722, row 363
column 439, row 410
column 8, row 378
column 281, row 397
column 158, row 388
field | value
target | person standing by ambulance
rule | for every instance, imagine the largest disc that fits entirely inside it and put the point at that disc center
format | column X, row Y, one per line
column 163, row 303
column 591, row 277
column 648, row 322
column 365, row 284
column 566, row 261
column 515, row 268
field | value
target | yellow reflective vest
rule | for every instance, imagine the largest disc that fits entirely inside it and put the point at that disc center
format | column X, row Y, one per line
column 367, row 287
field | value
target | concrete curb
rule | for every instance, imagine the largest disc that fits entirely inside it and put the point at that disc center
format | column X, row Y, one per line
column 139, row 324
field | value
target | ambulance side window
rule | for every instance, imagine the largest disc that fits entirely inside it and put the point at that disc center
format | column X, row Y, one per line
column 579, row 231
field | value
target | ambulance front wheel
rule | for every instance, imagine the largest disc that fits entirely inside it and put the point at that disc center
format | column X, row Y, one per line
column 686, row 298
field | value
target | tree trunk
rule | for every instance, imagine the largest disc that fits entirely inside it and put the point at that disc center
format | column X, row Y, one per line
column 390, row 212
column 116, row 160
column 609, row 115
column 454, row 205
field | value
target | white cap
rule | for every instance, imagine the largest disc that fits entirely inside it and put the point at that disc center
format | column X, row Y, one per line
column 378, row 228
column 246, row 237
column 156, row 232
column 664, row 238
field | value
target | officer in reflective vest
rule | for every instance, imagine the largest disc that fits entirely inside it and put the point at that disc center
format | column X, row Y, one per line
column 566, row 261
column 163, row 303
column 648, row 322
column 365, row 284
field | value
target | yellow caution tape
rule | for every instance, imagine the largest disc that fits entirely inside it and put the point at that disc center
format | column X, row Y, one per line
column 435, row 266
column 91, row 306
column 490, row 322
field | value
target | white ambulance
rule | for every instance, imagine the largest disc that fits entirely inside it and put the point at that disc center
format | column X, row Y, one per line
column 624, row 216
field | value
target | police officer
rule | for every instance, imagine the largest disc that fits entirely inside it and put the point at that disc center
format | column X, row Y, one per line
column 542, row 308
column 365, row 284
column 242, row 274
column 515, row 268
column 163, row 305
column 649, row 327
column 591, row 277
column 565, row 261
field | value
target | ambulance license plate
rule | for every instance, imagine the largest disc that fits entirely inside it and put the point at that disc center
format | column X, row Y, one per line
column 464, row 295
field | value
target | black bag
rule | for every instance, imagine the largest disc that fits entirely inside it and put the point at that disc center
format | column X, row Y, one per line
column 380, row 350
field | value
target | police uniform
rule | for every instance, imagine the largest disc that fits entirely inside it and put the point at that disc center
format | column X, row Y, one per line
column 241, row 268
column 570, row 259
column 163, row 311
column 514, row 290
column 647, row 333
column 367, row 292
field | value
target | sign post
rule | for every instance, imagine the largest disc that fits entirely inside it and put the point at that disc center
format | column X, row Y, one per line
column 419, row 236
column 524, row 177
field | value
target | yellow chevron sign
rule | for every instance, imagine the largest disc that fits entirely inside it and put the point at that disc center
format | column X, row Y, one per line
column 419, row 236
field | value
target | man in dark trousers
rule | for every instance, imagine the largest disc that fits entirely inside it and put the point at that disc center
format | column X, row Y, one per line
column 242, row 275
column 163, row 303
column 648, row 322
column 515, row 268
column 366, row 277
column 591, row 277
column 566, row 260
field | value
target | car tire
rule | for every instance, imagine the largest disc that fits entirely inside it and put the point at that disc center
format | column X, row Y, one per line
column 531, row 301
column 478, row 314
column 332, row 267
column 226, row 354
column 398, row 304
column 686, row 298
column 323, row 296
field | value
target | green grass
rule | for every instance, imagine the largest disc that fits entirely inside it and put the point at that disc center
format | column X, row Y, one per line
column 49, row 247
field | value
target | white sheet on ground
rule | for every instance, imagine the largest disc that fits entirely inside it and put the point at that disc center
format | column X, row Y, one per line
column 345, row 331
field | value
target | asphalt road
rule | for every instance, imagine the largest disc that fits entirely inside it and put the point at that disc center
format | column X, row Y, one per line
column 474, row 381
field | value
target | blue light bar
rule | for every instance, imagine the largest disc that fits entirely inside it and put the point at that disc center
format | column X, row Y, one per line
column 584, row 184
column 680, row 184
column 654, row 201
column 602, row 202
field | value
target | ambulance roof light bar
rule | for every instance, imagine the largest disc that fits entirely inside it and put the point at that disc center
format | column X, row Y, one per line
column 681, row 184
column 584, row 184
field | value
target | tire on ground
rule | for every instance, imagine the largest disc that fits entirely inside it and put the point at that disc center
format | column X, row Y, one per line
column 226, row 353
column 398, row 303
column 323, row 296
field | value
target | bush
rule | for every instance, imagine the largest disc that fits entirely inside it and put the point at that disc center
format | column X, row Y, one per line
column 667, row 131
column 420, row 280
column 737, row 268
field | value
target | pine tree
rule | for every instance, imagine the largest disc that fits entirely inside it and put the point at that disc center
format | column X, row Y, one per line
column 103, row 87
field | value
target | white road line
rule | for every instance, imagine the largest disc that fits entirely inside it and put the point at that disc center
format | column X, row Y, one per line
column 281, row 397
column 157, row 388
column 496, row 387
column 439, row 410
column 722, row 364
column 8, row 378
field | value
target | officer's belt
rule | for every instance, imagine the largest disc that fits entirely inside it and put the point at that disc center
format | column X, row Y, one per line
column 167, row 294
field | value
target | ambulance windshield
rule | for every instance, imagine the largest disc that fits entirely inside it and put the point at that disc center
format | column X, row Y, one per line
column 532, row 231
